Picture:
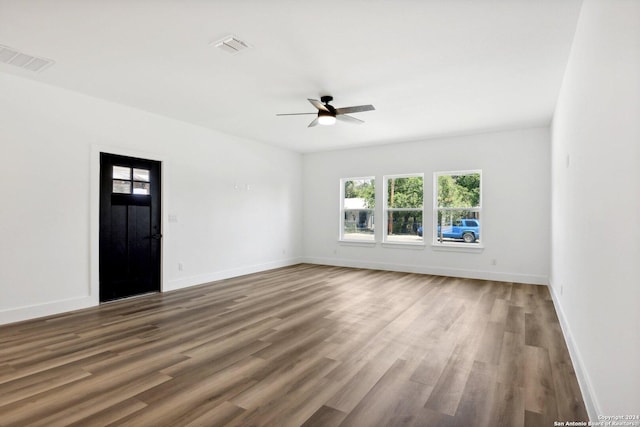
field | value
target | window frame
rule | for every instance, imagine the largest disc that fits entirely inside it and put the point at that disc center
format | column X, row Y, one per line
column 437, row 209
column 341, row 234
column 132, row 180
column 386, row 209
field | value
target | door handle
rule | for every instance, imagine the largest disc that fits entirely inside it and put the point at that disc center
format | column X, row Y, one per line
column 156, row 236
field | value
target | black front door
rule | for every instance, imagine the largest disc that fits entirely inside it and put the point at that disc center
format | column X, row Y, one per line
column 129, row 226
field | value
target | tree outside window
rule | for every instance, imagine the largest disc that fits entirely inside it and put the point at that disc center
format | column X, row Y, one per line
column 357, row 209
column 458, row 207
column 404, row 208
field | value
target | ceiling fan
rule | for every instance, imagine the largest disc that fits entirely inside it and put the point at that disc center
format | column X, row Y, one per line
column 327, row 113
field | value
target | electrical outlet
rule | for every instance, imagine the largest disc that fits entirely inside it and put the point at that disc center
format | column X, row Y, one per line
column 180, row 266
column 494, row 262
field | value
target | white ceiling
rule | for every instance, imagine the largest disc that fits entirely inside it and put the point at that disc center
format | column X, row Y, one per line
column 431, row 67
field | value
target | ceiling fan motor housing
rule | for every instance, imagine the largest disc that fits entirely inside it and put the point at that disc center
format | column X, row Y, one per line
column 326, row 99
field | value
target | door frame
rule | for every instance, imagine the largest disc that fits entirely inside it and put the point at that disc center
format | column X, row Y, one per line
column 94, row 209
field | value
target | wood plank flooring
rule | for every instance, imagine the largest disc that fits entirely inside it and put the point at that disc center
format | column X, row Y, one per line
column 305, row 345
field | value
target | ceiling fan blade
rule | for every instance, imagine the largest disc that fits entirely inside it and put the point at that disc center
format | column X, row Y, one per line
column 355, row 109
column 294, row 114
column 349, row 119
column 319, row 105
column 313, row 123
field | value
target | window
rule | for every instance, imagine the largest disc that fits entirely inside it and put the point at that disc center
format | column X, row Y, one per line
column 122, row 182
column 357, row 209
column 457, row 208
column 404, row 208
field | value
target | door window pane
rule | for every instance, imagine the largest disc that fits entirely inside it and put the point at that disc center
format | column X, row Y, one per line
column 120, row 172
column 121, row 186
column 141, row 188
column 141, row 175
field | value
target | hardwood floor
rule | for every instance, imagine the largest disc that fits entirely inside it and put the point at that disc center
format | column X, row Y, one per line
column 304, row 345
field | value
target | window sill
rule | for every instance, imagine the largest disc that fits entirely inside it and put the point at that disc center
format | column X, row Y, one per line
column 457, row 247
column 363, row 243
column 403, row 245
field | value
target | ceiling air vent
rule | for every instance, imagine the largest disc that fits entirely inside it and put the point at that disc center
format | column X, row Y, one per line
column 12, row 56
column 231, row 44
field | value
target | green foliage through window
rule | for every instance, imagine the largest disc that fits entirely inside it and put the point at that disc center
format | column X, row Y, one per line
column 362, row 189
column 459, row 191
column 404, row 210
column 358, row 219
column 405, row 192
column 458, row 208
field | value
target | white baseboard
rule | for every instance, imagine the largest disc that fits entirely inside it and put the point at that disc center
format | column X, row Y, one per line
column 438, row 271
column 186, row 282
column 588, row 395
column 19, row 314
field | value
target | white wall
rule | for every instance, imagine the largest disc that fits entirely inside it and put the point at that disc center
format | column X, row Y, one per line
column 596, row 205
column 50, row 141
column 516, row 204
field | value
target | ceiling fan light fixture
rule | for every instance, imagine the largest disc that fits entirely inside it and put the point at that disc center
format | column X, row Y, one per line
column 325, row 118
column 327, row 113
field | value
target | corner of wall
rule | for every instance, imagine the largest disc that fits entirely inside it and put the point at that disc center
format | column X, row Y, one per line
column 588, row 395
